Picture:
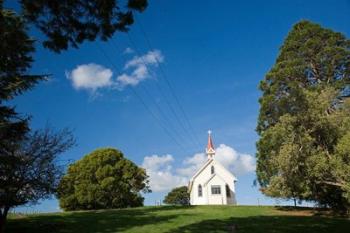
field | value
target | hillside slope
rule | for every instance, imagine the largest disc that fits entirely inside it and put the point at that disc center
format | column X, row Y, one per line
column 168, row 219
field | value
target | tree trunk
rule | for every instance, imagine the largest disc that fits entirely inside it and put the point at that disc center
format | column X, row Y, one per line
column 295, row 202
column 3, row 217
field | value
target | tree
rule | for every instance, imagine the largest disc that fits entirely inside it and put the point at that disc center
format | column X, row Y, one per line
column 103, row 179
column 29, row 170
column 178, row 196
column 70, row 22
column 15, row 60
column 65, row 23
column 305, row 117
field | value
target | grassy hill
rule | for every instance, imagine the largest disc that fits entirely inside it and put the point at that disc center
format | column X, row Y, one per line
column 168, row 219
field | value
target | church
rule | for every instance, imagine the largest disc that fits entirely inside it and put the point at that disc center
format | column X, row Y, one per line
column 212, row 184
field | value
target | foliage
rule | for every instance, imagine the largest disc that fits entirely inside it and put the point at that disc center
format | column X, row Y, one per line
column 65, row 23
column 15, row 59
column 178, row 196
column 29, row 171
column 180, row 219
column 304, row 119
column 69, row 23
column 103, row 179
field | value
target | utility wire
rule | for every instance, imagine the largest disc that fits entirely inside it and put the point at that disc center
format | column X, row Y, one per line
column 144, row 88
column 148, row 42
column 158, row 120
column 172, row 109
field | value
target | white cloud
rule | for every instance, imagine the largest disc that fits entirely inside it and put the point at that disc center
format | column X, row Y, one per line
column 192, row 164
column 236, row 162
column 159, row 169
column 164, row 177
column 93, row 76
column 244, row 164
column 90, row 77
column 151, row 58
column 137, row 69
column 128, row 50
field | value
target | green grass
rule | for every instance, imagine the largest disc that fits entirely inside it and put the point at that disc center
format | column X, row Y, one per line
column 168, row 219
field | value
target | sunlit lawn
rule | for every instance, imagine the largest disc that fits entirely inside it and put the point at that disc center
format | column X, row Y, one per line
column 180, row 220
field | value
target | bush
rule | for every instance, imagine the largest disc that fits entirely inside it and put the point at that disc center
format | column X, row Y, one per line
column 178, row 196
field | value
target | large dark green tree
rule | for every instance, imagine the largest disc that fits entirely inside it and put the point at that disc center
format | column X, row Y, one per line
column 103, row 179
column 65, row 23
column 304, row 122
column 178, row 196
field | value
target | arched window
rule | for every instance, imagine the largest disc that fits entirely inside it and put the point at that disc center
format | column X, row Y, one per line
column 212, row 169
column 200, row 193
column 228, row 191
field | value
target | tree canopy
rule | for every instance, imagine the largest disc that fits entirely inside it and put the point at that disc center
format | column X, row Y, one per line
column 65, row 23
column 68, row 23
column 103, row 179
column 304, row 119
column 29, row 170
column 178, row 196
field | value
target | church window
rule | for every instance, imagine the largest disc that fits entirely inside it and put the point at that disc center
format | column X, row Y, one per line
column 212, row 169
column 215, row 189
column 228, row 191
column 200, row 192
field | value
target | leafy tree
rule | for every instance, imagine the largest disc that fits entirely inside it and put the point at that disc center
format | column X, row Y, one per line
column 65, row 23
column 70, row 22
column 29, row 170
column 103, row 179
column 178, row 196
column 304, row 119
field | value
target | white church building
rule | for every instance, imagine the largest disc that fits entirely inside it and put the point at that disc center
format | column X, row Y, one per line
column 212, row 184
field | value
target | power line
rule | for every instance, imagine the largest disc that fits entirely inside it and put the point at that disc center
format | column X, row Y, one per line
column 162, row 93
column 158, row 120
column 144, row 88
column 148, row 42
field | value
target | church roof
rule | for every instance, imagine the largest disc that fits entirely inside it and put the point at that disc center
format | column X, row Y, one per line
column 209, row 161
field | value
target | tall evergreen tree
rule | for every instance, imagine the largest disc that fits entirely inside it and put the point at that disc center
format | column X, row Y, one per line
column 304, row 119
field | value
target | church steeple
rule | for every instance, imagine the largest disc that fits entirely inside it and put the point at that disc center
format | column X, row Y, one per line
column 210, row 147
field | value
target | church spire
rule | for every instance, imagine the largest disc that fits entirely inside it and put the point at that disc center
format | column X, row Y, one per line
column 210, row 147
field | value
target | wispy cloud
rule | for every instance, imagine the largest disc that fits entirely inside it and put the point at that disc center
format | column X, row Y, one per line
column 93, row 76
column 128, row 50
column 137, row 69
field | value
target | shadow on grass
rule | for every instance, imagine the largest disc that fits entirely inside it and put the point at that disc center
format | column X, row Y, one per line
column 172, row 219
column 316, row 211
column 105, row 221
column 263, row 224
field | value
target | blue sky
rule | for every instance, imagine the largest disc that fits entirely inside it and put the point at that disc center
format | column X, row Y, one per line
column 214, row 54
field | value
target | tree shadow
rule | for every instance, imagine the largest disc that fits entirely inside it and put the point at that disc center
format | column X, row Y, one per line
column 263, row 224
column 315, row 211
column 105, row 221
column 175, row 219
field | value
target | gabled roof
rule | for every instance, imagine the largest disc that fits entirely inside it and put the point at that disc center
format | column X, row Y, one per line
column 209, row 161
column 197, row 173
